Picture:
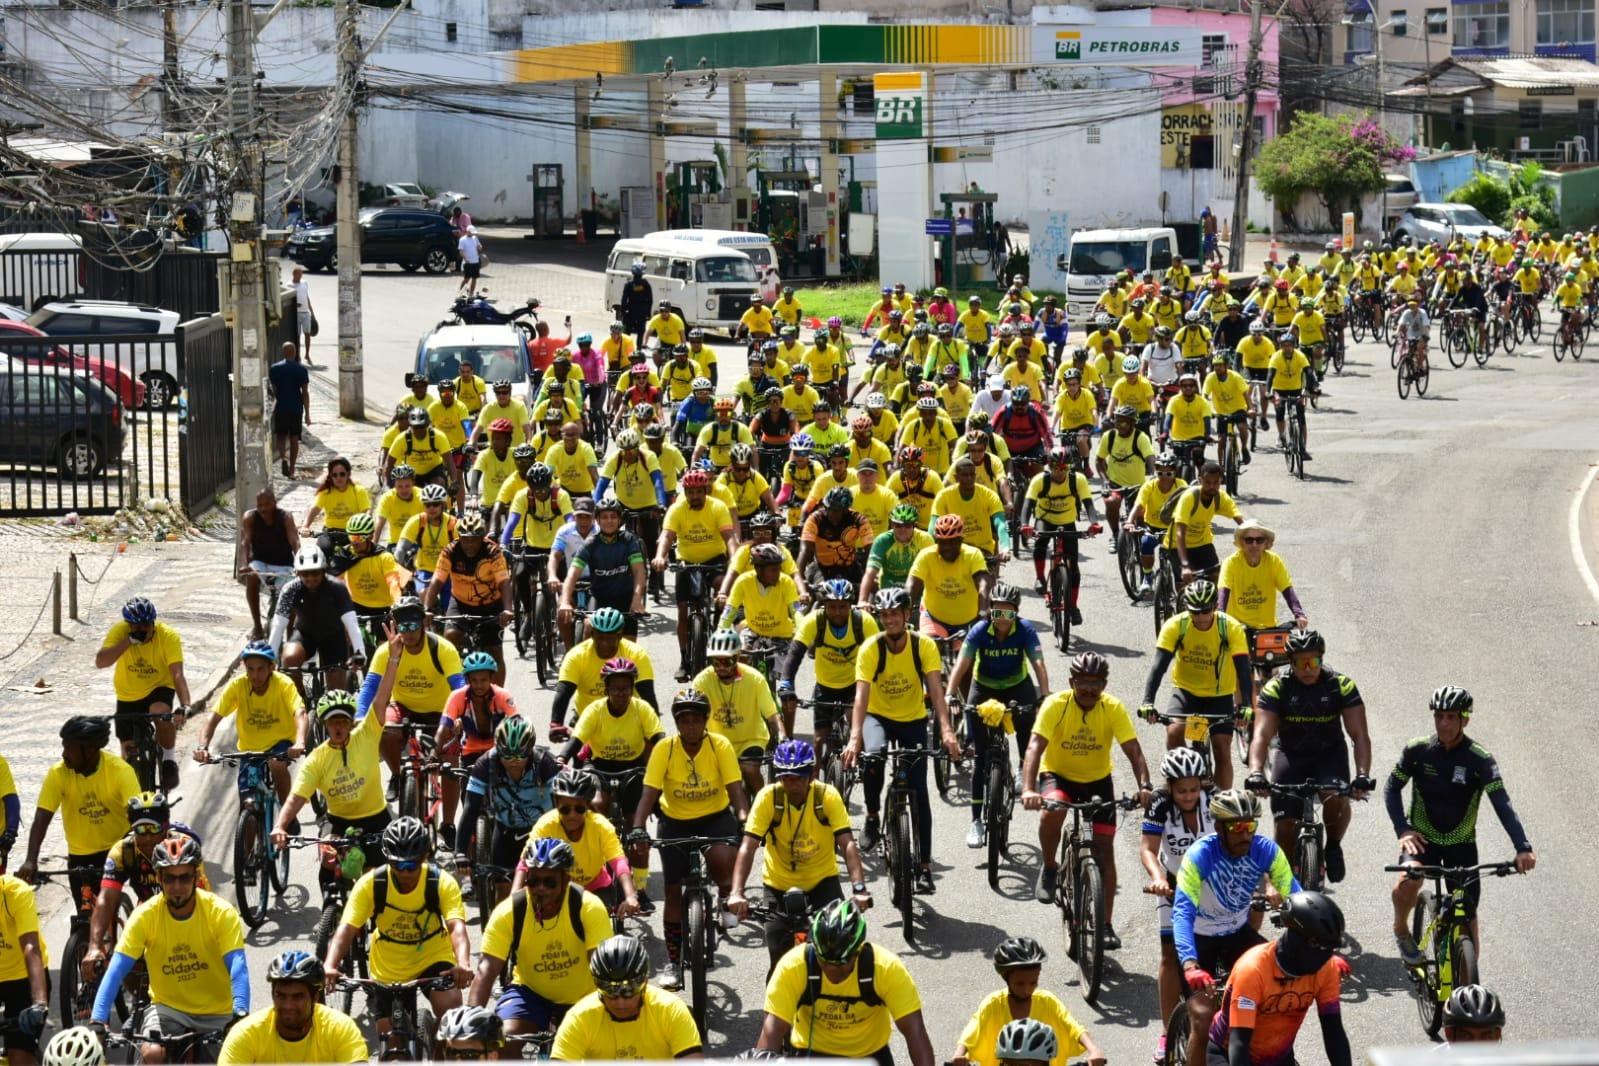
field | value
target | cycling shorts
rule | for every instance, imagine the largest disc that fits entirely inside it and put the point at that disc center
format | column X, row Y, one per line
column 398, row 714
column 1059, row 790
column 132, row 728
column 1219, row 709
column 1331, row 764
column 1203, row 557
column 381, row 1000
column 1452, row 855
column 1218, row 954
column 1258, row 375
column 675, row 861
column 521, row 1003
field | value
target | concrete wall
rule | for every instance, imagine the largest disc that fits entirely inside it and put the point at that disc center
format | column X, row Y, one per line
column 1437, row 177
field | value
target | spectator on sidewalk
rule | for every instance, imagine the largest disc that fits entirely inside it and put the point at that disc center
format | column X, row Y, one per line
column 471, row 249
column 305, row 317
column 268, row 540
column 290, row 384
column 460, row 221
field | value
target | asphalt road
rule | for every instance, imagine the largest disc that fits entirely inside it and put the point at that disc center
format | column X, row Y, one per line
column 1430, row 544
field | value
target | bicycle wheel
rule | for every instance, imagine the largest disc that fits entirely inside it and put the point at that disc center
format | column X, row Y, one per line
column 1178, row 1028
column 1463, row 961
column 1338, row 355
column 943, row 774
column 1429, row 995
column 72, row 985
column 1561, row 345
column 1165, row 595
column 413, row 796
column 1357, row 326
column 327, row 924
column 694, row 956
column 543, row 640
column 996, row 818
column 1291, row 452
column 1535, row 327
column 484, row 885
column 252, row 881
column 697, row 637
column 1454, row 349
column 1307, row 864
column 1091, row 923
column 1060, row 616
column 1233, row 469
column 1393, row 352
column 901, row 860
column 1422, row 379
column 1127, row 563
column 1298, row 443
column 1402, row 376
column 1481, row 352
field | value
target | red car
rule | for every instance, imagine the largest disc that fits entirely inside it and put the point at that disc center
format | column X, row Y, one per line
column 128, row 389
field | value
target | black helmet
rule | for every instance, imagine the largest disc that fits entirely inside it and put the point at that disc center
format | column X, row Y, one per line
column 1306, row 640
column 1018, row 953
column 86, row 729
column 838, row 931
column 296, row 966
column 1316, row 918
column 620, row 966
column 1090, row 664
column 1474, row 1006
column 1451, row 698
column 574, row 782
column 691, row 701
column 406, row 840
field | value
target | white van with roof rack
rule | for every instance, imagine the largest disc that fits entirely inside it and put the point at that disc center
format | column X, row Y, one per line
column 708, row 283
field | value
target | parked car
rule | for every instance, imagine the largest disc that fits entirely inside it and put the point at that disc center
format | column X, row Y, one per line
column 127, row 388
column 153, row 363
column 38, row 268
column 13, row 313
column 495, row 352
column 408, row 236
column 1445, row 222
column 57, row 417
column 447, row 199
column 403, row 194
column 1401, row 194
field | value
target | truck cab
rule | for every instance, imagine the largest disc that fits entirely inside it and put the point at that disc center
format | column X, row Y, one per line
column 1098, row 255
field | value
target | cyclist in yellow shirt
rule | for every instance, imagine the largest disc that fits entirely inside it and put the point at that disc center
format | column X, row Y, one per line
column 1022, row 1021
column 950, row 580
column 743, row 712
column 493, row 467
column 1570, row 298
column 755, row 324
column 426, row 534
column 1231, row 402
column 1069, row 761
column 618, row 348
column 1291, row 376
column 1137, row 326
column 931, row 431
column 419, row 926
column 345, row 768
column 1186, row 421
column 666, row 325
column 573, row 461
column 625, row 1017
column 980, row 509
column 450, row 415
column 428, row 670
column 268, row 711
column 299, row 1026
column 1148, row 501
column 765, row 597
column 786, row 307
column 148, row 658
column 1212, row 677
column 705, row 534
column 1135, row 391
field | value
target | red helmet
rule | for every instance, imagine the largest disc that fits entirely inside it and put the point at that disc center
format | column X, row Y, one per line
column 696, row 479
column 949, row 527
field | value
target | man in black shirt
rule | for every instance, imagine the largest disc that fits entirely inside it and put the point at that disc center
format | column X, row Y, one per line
column 613, row 562
column 268, row 540
column 1232, row 328
column 316, row 616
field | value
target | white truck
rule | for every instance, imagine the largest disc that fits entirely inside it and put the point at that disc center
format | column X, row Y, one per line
column 1097, row 255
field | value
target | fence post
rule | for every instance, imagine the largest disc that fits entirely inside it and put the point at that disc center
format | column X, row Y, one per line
column 72, row 586
column 55, row 603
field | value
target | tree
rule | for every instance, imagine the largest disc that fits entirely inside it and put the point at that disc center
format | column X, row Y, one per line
column 1337, row 160
column 1500, row 198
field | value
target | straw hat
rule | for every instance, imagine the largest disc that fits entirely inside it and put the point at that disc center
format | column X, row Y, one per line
column 1251, row 525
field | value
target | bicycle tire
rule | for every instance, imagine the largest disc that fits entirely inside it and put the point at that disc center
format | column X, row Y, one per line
column 693, row 956
column 1463, row 964
column 72, row 975
column 1338, row 356
column 1091, row 920
column 1481, row 352
column 904, row 859
column 1582, row 342
column 1165, row 595
column 943, row 772
column 411, row 796
column 1452, row 348
column 327, row 925
column 1308, row 865
column 1402, row 379
column 1536, row 326
column 1178, row 1028
column 1429, row 995
column 1233, row 468
column 1060, row 617
column 484, row 886
column 253, row 893
column 543, row 640
column 1393, row 352
column 1422, row 380
column 697, row 636
column 1299, row 444
column 996, row 819
column 1127, row 564
column 1292, row 450
column 1357, row 327
column 834, row 774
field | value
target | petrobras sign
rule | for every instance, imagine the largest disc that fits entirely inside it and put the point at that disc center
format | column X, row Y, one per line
column 900, row 98
column 1110, row 46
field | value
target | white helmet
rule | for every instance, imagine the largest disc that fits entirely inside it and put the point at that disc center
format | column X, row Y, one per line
column 77, row 1046
column 1182, row 762
column 309, row 557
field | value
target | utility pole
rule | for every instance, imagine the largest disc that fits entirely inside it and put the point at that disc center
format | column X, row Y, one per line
column 245, row 269
column 170, row 70
column 352, row 389
column 1246, row 139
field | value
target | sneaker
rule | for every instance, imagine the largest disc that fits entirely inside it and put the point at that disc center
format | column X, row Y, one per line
column 1306, row 456
column 670, row 977
column 447, row 837
column 1077, row 616
column 1409, row 953
column 682, row 673
column 169, row 776
column 1044, row 891
column 977, row 835
column 1145, row 588
column 286, row 468
column 923, row 885
column 1038, row 586
column 871, row 834
column 1334, row 860
column 646, row 905
column 1160, row 1050
column 1111, row 940
column 393, row 791
column 1244, row 461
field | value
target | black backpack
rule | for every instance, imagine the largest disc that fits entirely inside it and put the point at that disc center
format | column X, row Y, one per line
column 865, row 974
column 911, row 638
column 430, row 896
column 574, row 909
column 780, row 808
column 857, row 628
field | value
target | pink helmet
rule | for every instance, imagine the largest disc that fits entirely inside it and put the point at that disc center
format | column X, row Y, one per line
column 835, row 322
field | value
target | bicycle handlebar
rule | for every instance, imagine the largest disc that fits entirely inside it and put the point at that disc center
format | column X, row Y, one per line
column 1418, row 871
column 1126, row 803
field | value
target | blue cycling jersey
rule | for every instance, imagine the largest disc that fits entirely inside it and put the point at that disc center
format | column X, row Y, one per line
column 1001, row 663
column 1214, row 889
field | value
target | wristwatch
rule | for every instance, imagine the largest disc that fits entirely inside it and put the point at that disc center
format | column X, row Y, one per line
column 859, row 888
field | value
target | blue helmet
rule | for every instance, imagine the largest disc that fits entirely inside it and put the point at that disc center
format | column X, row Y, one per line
column 548, row 853
column 298, row 966
column 606, row 620
column 801, row 444
column 138, row 611
column 585, row 338
column 259, row 649
column 839, row 588
column 794, row 756
column 478, row 660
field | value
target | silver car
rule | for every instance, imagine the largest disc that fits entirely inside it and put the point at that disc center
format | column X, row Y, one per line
column 403, row 194
column 1445, row 222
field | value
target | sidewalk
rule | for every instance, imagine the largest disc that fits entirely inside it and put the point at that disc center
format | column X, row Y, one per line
column 46, row 679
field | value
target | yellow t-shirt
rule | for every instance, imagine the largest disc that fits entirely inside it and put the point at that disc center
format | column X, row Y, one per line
column 1188, row 417
column 338, row 505
column 692, row 786
column 1197, row 516
column 425, row 454
column 552, row 959
column 1528, row 280
column 768, row 610
column 699, row 533
column 1256, row 351
column 581, row 666
column 186, row 959
column 1227, row 396
column 409, row 938
column 1252, row 590
column 574, row 469
column 1151, row 497
column 801, row 401
column 934, row 441
column 974, row 325
column 539, row 520
column 616, row 348
column 664, row 1029
column 145, row 667
column 264, row 719
column 739, row 711
column 396, row 511
column 875, row 505
column 349, row 779
column 1310, row 327
column 1056, row 503
column 839, row 1024
column 571, row 411
column 1203, row 665
column 876, row 449
column 372, row 580
column 598, row 845
column 617, row 737
column 977, row 512
column 472, row 391
column 1288, row 375
column 835, row 655
column 921, row 496
column 1569, row 294
column 1125, row 457
column 1140, row 394
column 668, row 327
column 632, row 482
column 1137, row 327
column 429, row 539
column 334, row 1038
column 825, row 482
column 495, row 472
column 949, row 589
column 823, row 363
column 94, row 807
column 451, row 420
column 741, row 560
column 419, row 685
column 8, row 787
column 672, row 465
column 1080, row 741
column 19, row 916
column 799, row 845
column 515, row 412
column 756, row 320
column 1075, row 412
column 1032, row 376
column 896, row 690
column 787, row 310
column 981, row 1035
column 746, row 494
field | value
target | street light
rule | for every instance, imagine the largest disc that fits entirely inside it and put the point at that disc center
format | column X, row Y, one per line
column 1377, row 30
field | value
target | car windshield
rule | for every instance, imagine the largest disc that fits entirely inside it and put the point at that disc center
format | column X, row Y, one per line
column 1107, row 257
column 1465, row 215
column 491, row 361
column 725, row 268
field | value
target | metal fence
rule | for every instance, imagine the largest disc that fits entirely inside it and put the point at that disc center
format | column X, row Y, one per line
column 206, row 456
column 31, row 278
column 181, row 280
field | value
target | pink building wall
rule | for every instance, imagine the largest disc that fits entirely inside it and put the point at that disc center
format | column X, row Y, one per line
column 1236, row 29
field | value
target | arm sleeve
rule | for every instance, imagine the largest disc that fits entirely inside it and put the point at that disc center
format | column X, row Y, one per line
column 1496, row 795
column 1246, row 676
column 509, row 533
column 563, row 698
column 1334, row 1039
column 352, row 632
column 1291, row 598
column 600, row 487
column 1184, row 905
column 280, row 629
column 466, row 821
column 110, row 985
column 790, row 667
column 239, row 975
column 1157, row 670
column 1394, row 800
column 660, row 487
column 14, row 814
column 1238, row 1041
column 369, row 691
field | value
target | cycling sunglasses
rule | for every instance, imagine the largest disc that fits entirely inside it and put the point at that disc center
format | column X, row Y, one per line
column 456, row 1054
column 544, row 881
column 406, row 867
column 150, row 829
column 573, row 808
column 1001, row 612
column 1240, row 827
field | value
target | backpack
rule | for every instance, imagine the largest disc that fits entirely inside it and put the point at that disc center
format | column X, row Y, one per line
column 865, row 974
column 1168, row 508
column 574, row 910
column 913, row 639
column 857, row 627
column 1221, row 633
column 430, row 894
column 780, row 808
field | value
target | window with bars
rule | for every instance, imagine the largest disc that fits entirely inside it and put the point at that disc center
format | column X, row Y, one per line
column 1482, row 25
column 1529, row 115
column 1565, row 21
column 1091, row 134
column 1399, row 23
column 1212, row 47
column 1437, row 21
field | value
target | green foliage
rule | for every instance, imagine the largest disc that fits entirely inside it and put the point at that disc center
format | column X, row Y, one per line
column 1486, row 193
column 1323, row 156
column 1500, row 199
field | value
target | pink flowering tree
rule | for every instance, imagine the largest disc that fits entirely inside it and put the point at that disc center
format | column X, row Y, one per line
column 1336, row 160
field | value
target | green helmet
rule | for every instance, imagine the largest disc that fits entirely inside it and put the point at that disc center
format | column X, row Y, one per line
column 334, row 704
column 838, row 931
column 514, row 738
column 904, row 513
column 360, row 525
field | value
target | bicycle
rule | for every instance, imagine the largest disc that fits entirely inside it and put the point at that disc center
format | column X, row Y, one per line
column 482, row 632
column 833, row 714
column 1268, row 652
column 792, row 910
column 188, row 1047
column 1409, row 375
column 145, row 753
column 411, row 1024
column 1179, row 1025
column 76, row 994
column 699, row 921
column 1080, row 890
column 1459, row 336
column 945, row 769
column 1311, row 843
column 762, row 654
column 1057, row 581
column 700, row 607
column 1166, row 585
column 1128, row 564
column 1294, row 445
column 259, row 866
column 999, row 794
column 420, row 791
column 899, row 829
column 1527, row 318
column 1231, row 448
column 1197, row 729
column 342, row 860
column 1442, row 929
column 527, row 577
column 1569, row 339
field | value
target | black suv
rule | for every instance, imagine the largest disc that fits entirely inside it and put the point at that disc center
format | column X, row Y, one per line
column 408, row 236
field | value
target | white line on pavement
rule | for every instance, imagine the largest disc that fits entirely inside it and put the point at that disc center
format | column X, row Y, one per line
column 1574, row 529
